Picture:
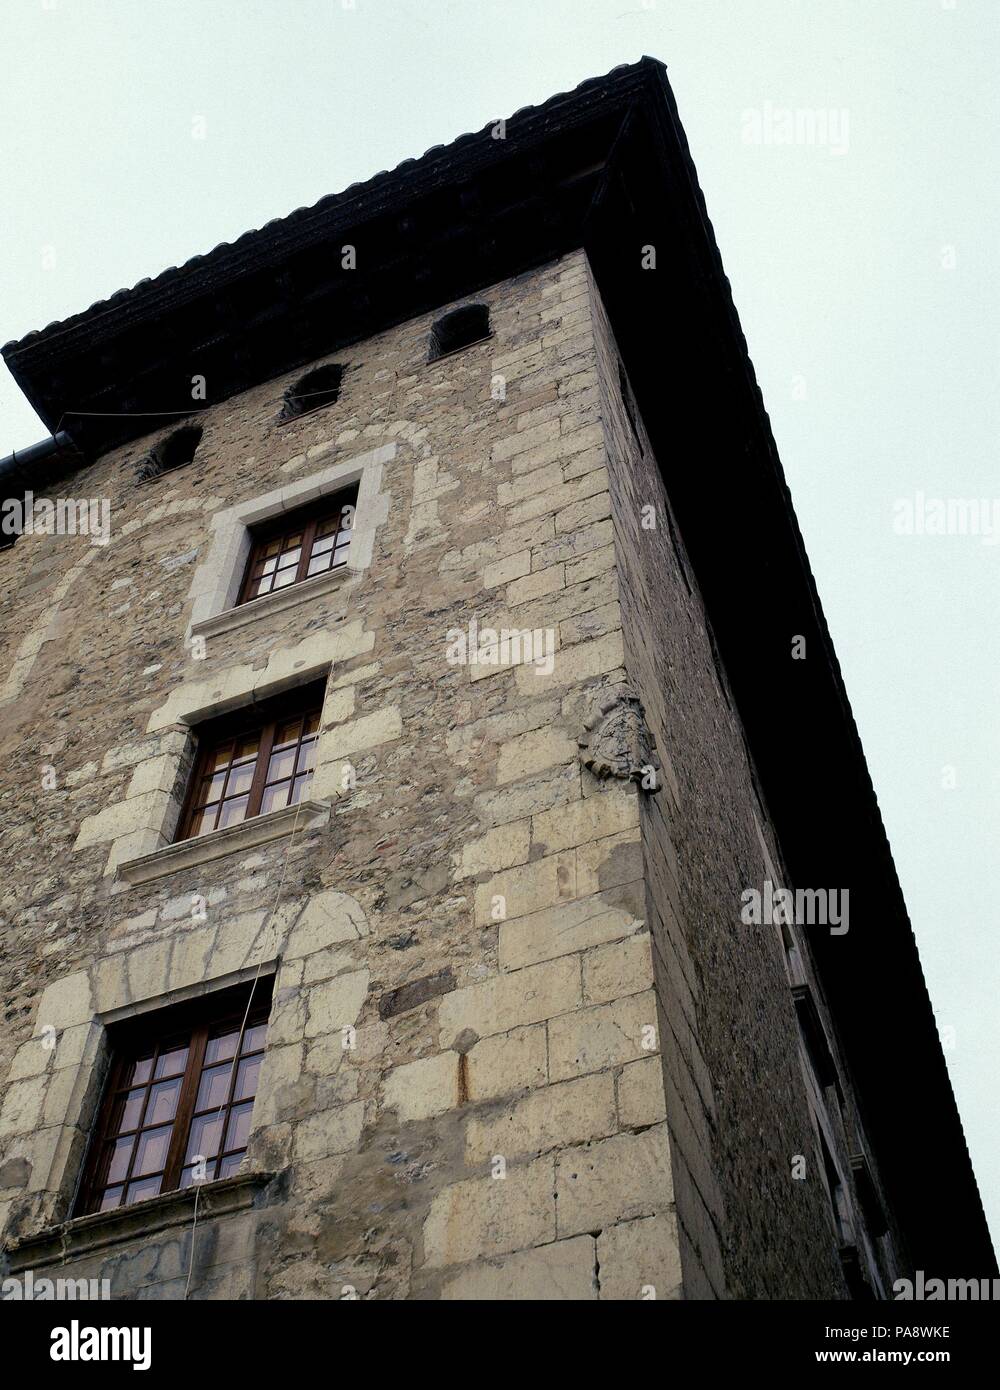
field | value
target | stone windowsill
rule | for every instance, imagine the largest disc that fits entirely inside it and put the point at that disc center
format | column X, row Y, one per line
column 86, row 1234
column 462, row 347
column 276, row 602
column 185, row 854
column 283, row 421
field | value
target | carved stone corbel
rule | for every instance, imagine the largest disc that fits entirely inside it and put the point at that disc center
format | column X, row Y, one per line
column 617, row 743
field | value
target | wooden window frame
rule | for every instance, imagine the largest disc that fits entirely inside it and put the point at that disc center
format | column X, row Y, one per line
column 308, row 520
column 242, row 1007
column 261, row 719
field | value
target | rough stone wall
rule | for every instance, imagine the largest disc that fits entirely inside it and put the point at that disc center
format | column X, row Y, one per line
column 474, row 908
column 736, row 1092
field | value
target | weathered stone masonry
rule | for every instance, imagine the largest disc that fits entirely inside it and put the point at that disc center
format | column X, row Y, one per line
column 536, row 1036
column 535, row 1040
column 736, row 1094
column 521, row 1043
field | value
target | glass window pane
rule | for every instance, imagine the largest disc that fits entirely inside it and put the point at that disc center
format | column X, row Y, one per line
column 281, row 764
column 253, row 1038
column 121, row 1152
column 141, row 1070
column 267, row 566
column 111, row 1198
column 139, row 1191
column 163, row 1098
column 221, row 756
column 246, row 1077
column 131, row 1110
column 212, row 787
column 240, row 779
column 218, row 1049
column 274, row 798
column 247, row 747
column 324, row 543
column 284, row 577
column 151, row 1150
column 272, row 547
column 171, row 1063
column 319, row 564
column 206, row 1131
column 261, row 586
column 233, row 811
column 301, row 788
column 203, row 822
column 312, row 722
column 287, row 733
column 307, row 756
column 213, row 1089
column 238, row 1129
column 230, row 1165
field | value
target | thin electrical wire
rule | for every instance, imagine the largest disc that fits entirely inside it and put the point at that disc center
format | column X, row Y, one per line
column 243, row 1025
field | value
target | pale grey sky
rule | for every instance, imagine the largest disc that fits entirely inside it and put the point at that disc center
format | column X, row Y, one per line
column 862, row 266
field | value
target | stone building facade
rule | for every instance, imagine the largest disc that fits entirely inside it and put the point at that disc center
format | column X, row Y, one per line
column 519, row 1042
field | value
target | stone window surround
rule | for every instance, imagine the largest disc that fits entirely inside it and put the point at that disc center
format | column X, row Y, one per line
column 61, row 1181
column 163, row 855
column 216, row 583
column 54, row 1128
column 153, row 1027
column 141, row 827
